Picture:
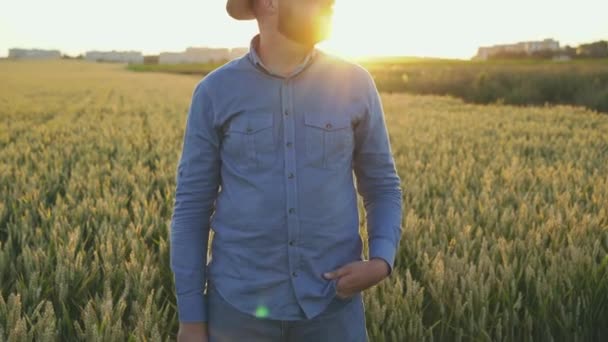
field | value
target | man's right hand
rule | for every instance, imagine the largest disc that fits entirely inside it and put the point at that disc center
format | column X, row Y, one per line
column 192, row 332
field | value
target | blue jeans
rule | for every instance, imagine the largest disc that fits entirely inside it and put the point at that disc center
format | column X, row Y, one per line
column 227, row 324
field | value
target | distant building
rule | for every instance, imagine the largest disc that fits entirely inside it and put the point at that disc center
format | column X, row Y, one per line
column 114, row 56
column 17, row 53
column 238, row 52
column 201, row 55
column 561, row 58
column 171, row 58
column 526, row 48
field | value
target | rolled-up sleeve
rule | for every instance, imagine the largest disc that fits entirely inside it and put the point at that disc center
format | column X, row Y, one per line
column 377, row 180
column 197, row 183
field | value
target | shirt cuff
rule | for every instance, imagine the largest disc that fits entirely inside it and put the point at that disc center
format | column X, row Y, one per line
column 383, row 248
column 192, row 308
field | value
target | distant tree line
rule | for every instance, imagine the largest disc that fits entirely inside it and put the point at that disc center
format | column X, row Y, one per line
column 65, row 56
column 582, row 82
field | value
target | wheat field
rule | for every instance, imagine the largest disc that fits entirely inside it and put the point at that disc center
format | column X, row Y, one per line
column 505, row 225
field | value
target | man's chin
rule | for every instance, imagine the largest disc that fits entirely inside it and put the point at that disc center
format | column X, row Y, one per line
column 308, row 40
column 320, row 37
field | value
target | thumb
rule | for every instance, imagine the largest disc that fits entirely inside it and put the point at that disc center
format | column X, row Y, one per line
column 333, row 274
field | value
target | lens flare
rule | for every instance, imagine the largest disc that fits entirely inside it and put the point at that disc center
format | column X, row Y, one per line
column 261, row 312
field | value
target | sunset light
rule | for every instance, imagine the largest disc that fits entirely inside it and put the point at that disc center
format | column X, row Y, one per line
column 437, row 28
column 304, row 170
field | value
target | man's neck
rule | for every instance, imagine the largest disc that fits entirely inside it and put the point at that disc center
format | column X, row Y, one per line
column 280, row 54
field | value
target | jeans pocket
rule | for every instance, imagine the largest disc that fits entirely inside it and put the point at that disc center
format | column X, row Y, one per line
column 335, row 291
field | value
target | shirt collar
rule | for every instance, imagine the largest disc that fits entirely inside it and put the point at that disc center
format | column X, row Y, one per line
column 255, row 59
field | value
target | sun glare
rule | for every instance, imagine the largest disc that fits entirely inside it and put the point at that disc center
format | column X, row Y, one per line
column 363, row 29
column 346, row 21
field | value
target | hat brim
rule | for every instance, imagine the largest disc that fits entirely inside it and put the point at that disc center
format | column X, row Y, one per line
column 240, row 9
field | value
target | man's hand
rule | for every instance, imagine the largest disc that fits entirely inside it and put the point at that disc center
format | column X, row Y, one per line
column 358, row 276
column 192, row 332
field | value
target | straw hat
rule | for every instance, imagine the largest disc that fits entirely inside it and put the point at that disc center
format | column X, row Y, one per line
column 240, row 9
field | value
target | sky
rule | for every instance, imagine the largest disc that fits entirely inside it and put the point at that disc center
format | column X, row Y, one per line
column 426, row 28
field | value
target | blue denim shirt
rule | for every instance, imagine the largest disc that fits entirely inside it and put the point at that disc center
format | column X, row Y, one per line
column 269, row 163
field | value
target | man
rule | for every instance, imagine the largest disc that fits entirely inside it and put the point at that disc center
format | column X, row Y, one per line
column 271, row 142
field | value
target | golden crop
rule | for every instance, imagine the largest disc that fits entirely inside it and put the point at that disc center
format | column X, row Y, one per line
column 505, row 230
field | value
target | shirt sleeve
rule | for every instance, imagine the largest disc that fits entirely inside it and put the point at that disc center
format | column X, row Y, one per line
column 377, row 180
column 197, row 183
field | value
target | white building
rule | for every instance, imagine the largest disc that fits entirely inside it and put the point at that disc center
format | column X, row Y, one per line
column 200, row 55
column 17, row 53
column 528, row 48
column 172, row 58
column 238, row 52
column 114, row 56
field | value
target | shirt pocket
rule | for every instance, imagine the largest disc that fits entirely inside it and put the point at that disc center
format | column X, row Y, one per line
column 328, row 140
column 249, row 140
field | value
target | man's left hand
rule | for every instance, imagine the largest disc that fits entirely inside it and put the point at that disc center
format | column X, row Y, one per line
column 358, row 276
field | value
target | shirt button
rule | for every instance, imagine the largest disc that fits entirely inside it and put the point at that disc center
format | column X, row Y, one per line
column 291, row 243
column 328, row 125
column 288, row 144
column 286, row 112
column 294, row 274
column 291, row 210
column 290, row 175
column 249, row 129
